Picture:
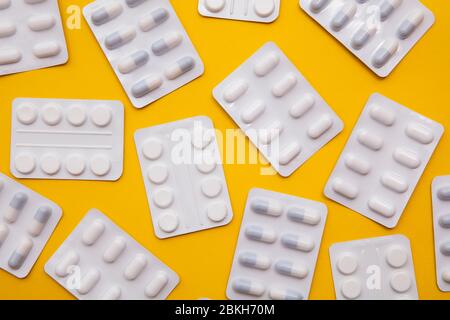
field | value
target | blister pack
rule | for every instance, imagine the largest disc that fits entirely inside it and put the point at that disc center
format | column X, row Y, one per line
column 31, row 35
column 246, row 10
column 379, row 32
column 383, row 160
column 27, row 222
column 277, row 108
column 67, row 139
column 183, row 177
column 146, row 45
column 374, row 269
column 99, row 261
column 277, row 249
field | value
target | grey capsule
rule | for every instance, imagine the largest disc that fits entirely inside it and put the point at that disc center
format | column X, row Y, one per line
column 167, row 43
column 134, row 3
column 343, row 16
column 290, row 269
column 445, row 248
column 249, row 287
column 297, row 242
column 384, row 53
column 134, row 61
column 41, row 218
column 387, row 7
column 15, row 206
column 153, row 19
column 318, row 5
column 119, row 38
column 279, row 294
column 411, row 23
column 180, row 67
column 253, row 260
column 258, row 233
column 303, row 216
column 444, row 221
column 106, row 13
column 20, row 254
column 362, row 36
column 145, row 86
column 444, row 193
column 267, row 207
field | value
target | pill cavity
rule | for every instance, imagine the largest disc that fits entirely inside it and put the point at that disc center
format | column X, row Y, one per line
column 211, row 187
column 289, row 153
column 291, row 269
column 4, row 232
column 284, row 294
column 41, row 22
column 100, row 165
column 343, row 16
column 400, row 281
column 253, row 111
column 39, row 221
column 180, row 67
column 264, row 8
column 351, row 289
column 254, row 260
column 153, row 19
column 115, row 249
column 362, row 36
column 345, row 189
column 266, row 64
column 410, row 24
column 382, row 115
column 217, row 211
column 15, row 206
column 297, row 242
column 214, row 5
column 381, row 207
column 133, row 62
column 407, row 158
column 347, row 264
column 302, row 106
column 158, row 173
column 163, row 198
column 64, row 265
column 76, row 115
column 167, row 43
column 387, row 7
column 235, row 90
column 262, row 234
column 146, row 85
column 357, row 164
column 89, row 281
column 248, row 287
column 305, row 216
column 93, row 232
column 270, row 133
column 75, row 164
column 135, row 267
column 384, row 53
column 113, row 293
column 7, row 29
column 419, row 133
column 168, row 222
column 318, row 5
column 10, row 56
column 50, row 164
column 267, row 207
column 106, row 13
column 156, row 285
column 444, row 221
column 394, row 182
column 319, row 128
column 52, row 114
column 396, row 256
column 46, row 49
column 370, row 140
column 20, row 254
column 283, row 86
column 26, row 114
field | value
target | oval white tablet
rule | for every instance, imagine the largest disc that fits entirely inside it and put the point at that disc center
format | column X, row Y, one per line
column 75, row 164
column 115, row 249
column 217, row 211
column 135, row 267
column 283, row 86
column 157, row 173
column 163, row 198
column 345, row 189
column 46, row 49
column 100, row 165
column 25, row 163
column 357, row 164
column 351, row 289
column 289, row 153
column 101, row 116
column 370, row 140
column 253, row 111
column 419, row 133
column 41, row 22
column 211, row 187
column 396, row 256
column 50, row 164
column 76, row 115
column 93, row 232
column 347, row 264
column 407, row 158
column 156, row 285
column 317, row 129
column 266, row 64
column 401, row 281
column 264, row 8
column 152, row 149
column 382, row 115
column 7, row 29
column 168, row 222
column 381, row 207
column 235, row 90
column 214, row 5
column 302, row 106
column 68, row 260
column 394, row 182
column 89, row 281
column 10, row 56
column 113, row 293
column 26, row 114
column 52, row 114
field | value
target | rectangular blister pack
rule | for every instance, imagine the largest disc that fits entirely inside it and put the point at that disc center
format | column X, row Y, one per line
column 374, row 269
column 247, row 10
column 383, row 160
column 27, row 222
column 99, row 261
column 183, row 176
column 277, row 249
column 146, row 45
column 441, row 222
column 379, row 32
column 31, row 35
column 67, row 139
column 277, row 108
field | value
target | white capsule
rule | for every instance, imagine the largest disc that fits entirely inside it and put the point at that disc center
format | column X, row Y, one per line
column 253, row 111
column 284, row 294
column 41, row 22
column 345, row 189
column 249, row 287
column 407, row 158
column 180, row 67
column 114, row 250
column 387, row 7
column 297, row 242
column 167, row 43
column 21, row 253
column 381, row 207
column 146, row 85
column 317, row 129
column 7, row 29
column 133, row 61
column 258, row 233
column 235, row 90
column 343, row 16
column 357, row 164
column 15, row 206
column 4, row 232
column 318, row 5
column 270, row 133
column 305, row 216
column 267, row 206
column 119, row 38
column 394, row 182
column 135, row 267
column 363, row 35
column 153, row 19
column 39, row 221
column 302, row 106
column 384, row 53
column 370, row 140
column 9, row 56
column 410, row 24
column 89, row 281
column 254, row 260
column 68, row 260
column 283, row 86
column 382, row 115
column 156, row 285
column 291, row 269
column 289, row 153
column 266, row 64
column 93, row 232
column 113, row 293
column 106, row 13
column 419, row 133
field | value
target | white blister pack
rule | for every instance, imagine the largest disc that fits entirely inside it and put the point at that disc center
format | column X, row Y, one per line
column 67, row 139
column 146, row 45
column 27, row 222
column 379, row 32
column 183, row 177
column 374, row 269
column 383, row 160
column 277, row 249
column 277, row 108
column 246, row 10
column 100, row 261
column 31, row 35
column 441, row 221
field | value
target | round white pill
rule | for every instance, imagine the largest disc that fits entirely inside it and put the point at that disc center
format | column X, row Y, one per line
column 396, row 256
column 206, row 167
column 163, row 198
column 157, row 173
column 211, row 187
column 351, row 289
column 446, row 275
column 25, row 163
column 26, row 114
column 264, row 8
column 347, row 264
column 100, row 165
column 50, row 164
column 75, row 164
column 400, row 281
column 168, row 222
column 101, row 116
column 152, row 149
column 214, row 5
column 216, row 212
column 76, row 115
column 200, row 140
column 52, row 114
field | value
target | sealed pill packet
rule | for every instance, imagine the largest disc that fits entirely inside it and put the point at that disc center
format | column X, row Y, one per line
column 247, row 10
column 374, row 269
column 31, row 35
column 383, row 160
column 100, row 261
column 441, row 221
column 183, row 176
column 277, row 108
column 27, row 222
column 67, row 139
column 277, row 249
column 146, row 45
column 379, row 32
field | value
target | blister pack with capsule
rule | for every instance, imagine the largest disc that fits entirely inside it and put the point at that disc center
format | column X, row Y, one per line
column 67, row 139
column 379, row 32
column 277, row 248
column 374, row 269
column 146, row 45
column 277, row 108
column 27, row 222
column 31, row 35
column 99, row 261
column 383, row 160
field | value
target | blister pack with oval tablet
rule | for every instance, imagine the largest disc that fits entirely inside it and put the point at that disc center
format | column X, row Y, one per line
column 67, row 139
column 27, row 221
column 31, row 35
column 277, row 108
column 146, row 45
column 277, row 249
column 379, row 32
column 100, row 261
column 374, row 269
column 183, row 177
column 383, row 160
column 247, row 10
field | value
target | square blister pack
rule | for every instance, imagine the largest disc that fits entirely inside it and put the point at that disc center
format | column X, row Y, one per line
column 183, row 177
column 379, row 32
column 99, row 261
column 276, row 107
column 27, row 222
column 383, row 160
column 374, row 269
column 31, row 35
column 146, row 46
column 67, row 139
column 246, row 10
column 277, row 249
column 441, row 222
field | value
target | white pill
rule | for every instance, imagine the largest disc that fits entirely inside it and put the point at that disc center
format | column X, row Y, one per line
column 270, row 133
column 249, row 287
column 50, row 164
column 384, row 53
column 267, row 207
column 152, row 149
column 291, row 269
column 419, row 133
column 347, row 264
column 115, row 249
column 41, row 22
column 370, row 140
column 76, row 115
column 214, row 5
column 17, row 203
column 201, row 139
column 211, row 187
column 345, row 189
column 382, row 115
column 381, row 207
column 163, row 198
column 284, row 294
column 235, row 90
column 89, row 281
column 156, row 285
column 396, row 256
column 68, row 260
column 10, row 56
column 407, row 158
column 25, row 163
column 363, row 35
column 343, row 16
column 4, row 232
column 266, row 64
column 7, row 29
column 357, row 164
column 106, row 13
column 100, row 165
column 52, row 114
column 302, row 106
column 253, row 111
column 264, row 8
column 304, row 215
column 20, row 254
column 113, row 293
column 168, row 222
column 289, row 153
column 217, row 211
column 93, row 232
column 119, row 38
column 46, row 49
column 351, row 289
column 101, row 116
column 135, row 267
column 445, row 275
column 283, row 86
column 394, row 182
column 317, row 129
column 206, row 167
column 317, row 5
column 146, row 85
column 157, row 173
column 167, row 43
column 4, row 4
column 75, row 164
column 262, row 234
column 410, row 24
column 153, row 19
column 297, row 242
column 254, row 260
column 26, row 114
column 400, row 281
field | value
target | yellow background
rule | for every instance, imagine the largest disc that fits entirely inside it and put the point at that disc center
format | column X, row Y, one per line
column 203, row 259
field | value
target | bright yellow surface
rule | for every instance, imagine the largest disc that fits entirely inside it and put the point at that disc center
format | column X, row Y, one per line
column 203, row 259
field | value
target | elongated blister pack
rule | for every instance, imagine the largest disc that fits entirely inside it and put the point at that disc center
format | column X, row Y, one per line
column 100, row 261
column 383, row 160
column 67, row 139
column 277, row 108
column 27, row 222
column 31, row 35
column 246, row 10
column 379, row 32
column 183, row 177
column 277, row 249
column 146, row 45
column 374, row 269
